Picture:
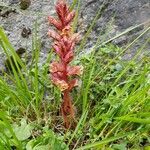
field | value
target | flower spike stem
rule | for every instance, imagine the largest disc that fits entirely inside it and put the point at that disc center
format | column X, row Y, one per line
column 63, row 75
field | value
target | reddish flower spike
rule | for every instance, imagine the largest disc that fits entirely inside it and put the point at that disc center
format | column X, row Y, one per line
column 56, row 23
column 75, row 70
column 54, row 35
column 56, row 67
column 62, row 74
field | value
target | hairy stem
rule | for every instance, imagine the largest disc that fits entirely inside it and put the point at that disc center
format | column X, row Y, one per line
column 67, row 109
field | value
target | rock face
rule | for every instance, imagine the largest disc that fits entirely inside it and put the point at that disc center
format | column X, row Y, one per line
column 24, row 4
column 114, row 17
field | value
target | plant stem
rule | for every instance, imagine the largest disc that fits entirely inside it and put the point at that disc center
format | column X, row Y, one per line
column 67, row 109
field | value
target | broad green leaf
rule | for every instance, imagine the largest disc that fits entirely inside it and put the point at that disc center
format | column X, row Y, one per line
column 23, row 132
column 42, row 147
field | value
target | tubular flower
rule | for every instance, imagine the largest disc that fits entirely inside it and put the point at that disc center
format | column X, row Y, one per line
column 62, row 73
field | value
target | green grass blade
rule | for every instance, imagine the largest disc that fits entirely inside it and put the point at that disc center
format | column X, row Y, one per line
column 105, row 141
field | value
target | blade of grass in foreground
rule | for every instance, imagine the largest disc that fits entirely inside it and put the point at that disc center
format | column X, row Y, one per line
column 105, row 141
column 75, row 22
column 18, row 75
column 139, row 51
column 6, row 124
column 87, row 82
column 133, row 119
column 79, row 125
column 74, row 4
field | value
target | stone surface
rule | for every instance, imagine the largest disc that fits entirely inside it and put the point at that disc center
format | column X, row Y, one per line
column 24, row 4
column 115, row 16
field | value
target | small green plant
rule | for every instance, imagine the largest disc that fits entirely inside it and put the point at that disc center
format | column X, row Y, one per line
column 62, row 72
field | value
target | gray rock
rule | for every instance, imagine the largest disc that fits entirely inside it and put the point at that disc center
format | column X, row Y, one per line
column 24, row 4
column 26, row 32
column 115, row 16
column 14, row 1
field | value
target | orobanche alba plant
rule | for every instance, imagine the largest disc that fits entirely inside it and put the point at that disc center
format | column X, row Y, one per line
column 63, row 74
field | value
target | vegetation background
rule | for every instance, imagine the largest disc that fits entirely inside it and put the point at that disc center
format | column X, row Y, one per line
column 112, row 102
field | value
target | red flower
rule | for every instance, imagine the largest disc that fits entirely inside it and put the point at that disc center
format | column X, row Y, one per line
column 64, row 43
column 73, row 83
column 54, row 35
column 55, row 22
column 56, row 67
column 60, row 83
column 74, row 70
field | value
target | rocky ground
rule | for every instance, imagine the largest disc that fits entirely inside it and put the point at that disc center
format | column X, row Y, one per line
column 115, row 16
